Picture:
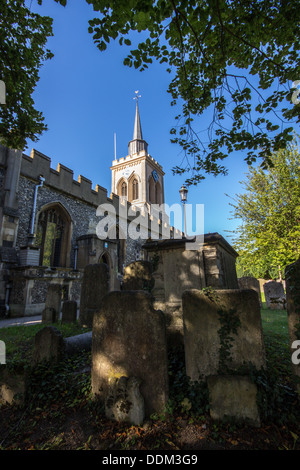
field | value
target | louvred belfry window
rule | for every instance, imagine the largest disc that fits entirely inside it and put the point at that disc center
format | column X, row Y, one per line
column 135, row 189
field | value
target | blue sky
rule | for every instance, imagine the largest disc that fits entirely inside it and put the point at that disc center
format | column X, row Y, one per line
column 86, row 96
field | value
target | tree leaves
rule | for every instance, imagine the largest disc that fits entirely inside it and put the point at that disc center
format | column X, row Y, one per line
column 206, row 45
column 269, row 237
column 23, row 36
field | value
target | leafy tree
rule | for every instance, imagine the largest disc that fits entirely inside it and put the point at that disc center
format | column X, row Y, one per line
column 23, row 37
column 269, row 237
column 233, row 59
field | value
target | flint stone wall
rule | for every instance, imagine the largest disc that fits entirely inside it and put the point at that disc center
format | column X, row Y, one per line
column 95, row 285
column 201, row 320
column 129, row 340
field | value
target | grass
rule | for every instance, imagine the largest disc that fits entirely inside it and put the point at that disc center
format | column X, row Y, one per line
column 61, row 415
column 275, row 322
column 19, row 340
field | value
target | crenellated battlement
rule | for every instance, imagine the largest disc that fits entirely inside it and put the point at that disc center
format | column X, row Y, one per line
column 62, row 178
column 131, row 158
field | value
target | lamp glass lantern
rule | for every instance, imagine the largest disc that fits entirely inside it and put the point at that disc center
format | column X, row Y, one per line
column 183, row 193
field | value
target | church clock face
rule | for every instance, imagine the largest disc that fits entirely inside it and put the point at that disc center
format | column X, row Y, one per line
column 126, row 173
column 155, row 175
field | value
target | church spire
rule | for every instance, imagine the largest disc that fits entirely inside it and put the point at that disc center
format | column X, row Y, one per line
column 137, row 144
column 137, row 132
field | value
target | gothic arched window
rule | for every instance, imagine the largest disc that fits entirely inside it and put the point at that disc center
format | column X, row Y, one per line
column 52, row 237
column 135, row 189
column 124, row 189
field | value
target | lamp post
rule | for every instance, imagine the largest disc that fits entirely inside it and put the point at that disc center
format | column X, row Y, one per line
column 183, row 194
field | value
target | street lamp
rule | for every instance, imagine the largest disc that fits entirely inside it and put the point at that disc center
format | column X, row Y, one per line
column 183, row 194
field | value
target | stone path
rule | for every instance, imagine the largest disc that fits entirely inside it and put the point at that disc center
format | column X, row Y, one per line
column 32, row 320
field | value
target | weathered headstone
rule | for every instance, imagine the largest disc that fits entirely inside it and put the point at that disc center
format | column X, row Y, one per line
column 13, row 386
column 275, row 295
column 249, row 282
column 129, row 340
column 292, row 278
column 138, row 276
column 53, row 304
column 125, row 402
column 69, row 311
column 233, row 397
column 49, row 315
column 95, row 285
column 210, row 320
column 48, row 345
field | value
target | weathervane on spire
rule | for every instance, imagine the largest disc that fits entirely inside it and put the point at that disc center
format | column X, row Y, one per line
column 137, row 96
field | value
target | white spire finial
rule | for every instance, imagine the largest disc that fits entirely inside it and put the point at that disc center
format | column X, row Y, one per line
column 137, row 96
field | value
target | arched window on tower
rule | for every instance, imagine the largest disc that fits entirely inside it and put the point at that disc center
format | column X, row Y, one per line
column 135, row 189
column 124, row 189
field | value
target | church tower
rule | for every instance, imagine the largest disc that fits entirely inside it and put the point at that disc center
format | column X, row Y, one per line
column 138, row 177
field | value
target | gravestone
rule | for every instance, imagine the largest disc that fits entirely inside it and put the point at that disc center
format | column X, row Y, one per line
column 249, row 282
column 95, row 285
column 49, row 315
column 292, row 278
column 69, row 311
column 233, row 397
column 13, row 385
column 125, row 402
column 48, row 345
column 208, row 318
column 53, row 304
column 275, row 295
column 129, row 340
column 138, row 276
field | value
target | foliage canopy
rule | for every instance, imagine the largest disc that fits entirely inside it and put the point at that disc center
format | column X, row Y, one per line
column 269, row 237
column 23, row 36
column 233, row 60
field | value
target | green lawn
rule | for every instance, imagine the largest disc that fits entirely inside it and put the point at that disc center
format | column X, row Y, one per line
column 19, row 340
column 275, row 321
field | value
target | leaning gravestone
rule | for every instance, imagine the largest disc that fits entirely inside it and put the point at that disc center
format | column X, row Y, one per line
column 95, row 285
column 69, row 311
column 138, row 276
column 208, row 318
column 52, row 308
column 275, row 295
column 129, row 340
column 292, row 277
column 249, row 282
